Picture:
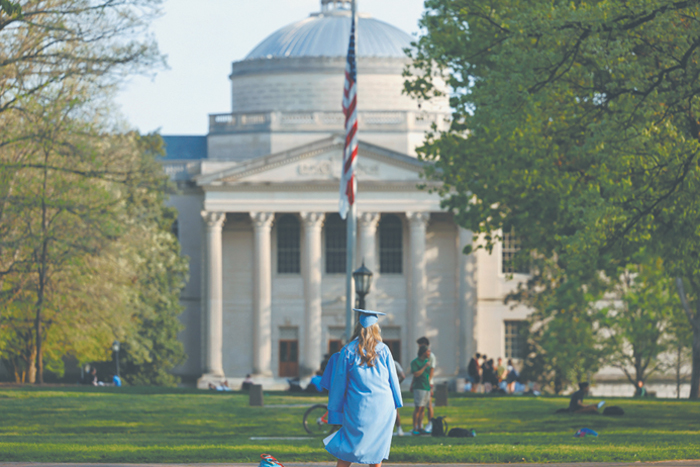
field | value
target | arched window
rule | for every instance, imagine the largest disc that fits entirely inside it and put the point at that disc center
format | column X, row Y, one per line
column 288, row 254
column 336, row 245
column 390, row 245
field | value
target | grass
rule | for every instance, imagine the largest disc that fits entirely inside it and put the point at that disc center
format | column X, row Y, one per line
column 137, row 425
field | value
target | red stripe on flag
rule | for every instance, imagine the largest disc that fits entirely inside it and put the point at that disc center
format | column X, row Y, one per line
column 350, row 190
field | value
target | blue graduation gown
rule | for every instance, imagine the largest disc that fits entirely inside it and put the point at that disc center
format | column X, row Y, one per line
column 368, row 398
column 334, row 418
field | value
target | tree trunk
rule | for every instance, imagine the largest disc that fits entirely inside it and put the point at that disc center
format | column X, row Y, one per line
column 695, row 323
column 695, row 376
column 558, row 383
column 31, row 371
column 678, row 371
column 42, row 279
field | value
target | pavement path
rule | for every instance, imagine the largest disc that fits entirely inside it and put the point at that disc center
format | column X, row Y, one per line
column 686, row 463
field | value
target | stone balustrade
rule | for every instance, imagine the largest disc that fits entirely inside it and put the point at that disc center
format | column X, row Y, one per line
column 324, row 121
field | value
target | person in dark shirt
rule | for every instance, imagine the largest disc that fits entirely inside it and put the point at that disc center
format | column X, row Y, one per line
column 473, row 371
column 576, row 403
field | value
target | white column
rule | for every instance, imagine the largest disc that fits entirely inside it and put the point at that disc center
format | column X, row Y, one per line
column 368, row 246
column 212, row 321
column 467, row 300
column 312, row 264
column 262, row 293
column 418, row 316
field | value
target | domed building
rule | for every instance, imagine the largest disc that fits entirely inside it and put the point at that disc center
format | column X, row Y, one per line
column 258, row 217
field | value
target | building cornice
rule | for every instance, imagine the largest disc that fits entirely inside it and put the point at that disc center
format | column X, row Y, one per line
column 326, row 65
column 320, row 186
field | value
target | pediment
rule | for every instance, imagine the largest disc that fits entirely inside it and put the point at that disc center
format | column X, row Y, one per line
column 319, row 162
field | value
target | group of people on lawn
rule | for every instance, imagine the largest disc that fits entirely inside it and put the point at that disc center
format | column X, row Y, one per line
column 485, row 376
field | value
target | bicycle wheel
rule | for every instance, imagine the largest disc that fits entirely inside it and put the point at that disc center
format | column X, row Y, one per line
column 316, row 421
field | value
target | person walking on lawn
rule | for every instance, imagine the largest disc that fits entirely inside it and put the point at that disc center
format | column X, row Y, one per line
column 433, row 364
column 364, row 395
column 420, row 367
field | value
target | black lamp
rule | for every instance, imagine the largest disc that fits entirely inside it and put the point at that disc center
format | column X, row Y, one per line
column 363, row 281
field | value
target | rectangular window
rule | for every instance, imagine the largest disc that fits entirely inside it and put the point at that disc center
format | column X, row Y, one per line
column 391, row 336
column 336, row 246
column 509, row 248
column 395, row 347
column 515, row 339
column 390, row 245
column 288, row 240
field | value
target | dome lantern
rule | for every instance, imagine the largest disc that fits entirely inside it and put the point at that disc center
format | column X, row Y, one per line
column 330, row 5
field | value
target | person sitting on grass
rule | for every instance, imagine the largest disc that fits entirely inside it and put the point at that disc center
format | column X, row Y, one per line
column 247, row 383
column 576, row 403
column 420, row 367
column 221, row 387
column 640, row 391
column 314, row 386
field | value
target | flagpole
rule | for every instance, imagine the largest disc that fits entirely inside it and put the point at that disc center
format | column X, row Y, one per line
column 351, row 235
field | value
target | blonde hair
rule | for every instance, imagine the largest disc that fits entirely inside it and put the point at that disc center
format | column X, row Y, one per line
column 367, row 341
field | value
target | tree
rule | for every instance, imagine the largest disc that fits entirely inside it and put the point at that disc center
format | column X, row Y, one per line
column 67, row 175
column 46, row 42
column 68, row 223
column 564, row 342
column 152, row 349
column 680, row 344
column 48, row 45
column 639, row 320
column 575, row 123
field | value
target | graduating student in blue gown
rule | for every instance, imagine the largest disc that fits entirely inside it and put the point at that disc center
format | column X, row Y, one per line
column 363, row 396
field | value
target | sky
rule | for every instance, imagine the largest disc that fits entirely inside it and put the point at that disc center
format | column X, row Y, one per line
column 202, row 38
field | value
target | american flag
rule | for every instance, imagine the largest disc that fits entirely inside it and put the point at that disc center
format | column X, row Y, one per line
column 347, row 176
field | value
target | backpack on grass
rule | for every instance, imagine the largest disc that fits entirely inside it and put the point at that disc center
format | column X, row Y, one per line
column 461, row 433
column 266, row 460
column 613, row 410
column 439, row 426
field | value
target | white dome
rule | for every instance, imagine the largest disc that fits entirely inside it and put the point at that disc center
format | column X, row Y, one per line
column 327, row 34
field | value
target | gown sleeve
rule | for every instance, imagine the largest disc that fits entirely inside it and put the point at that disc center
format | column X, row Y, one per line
column 394, row 380
column 328, row 372
column 336, row 394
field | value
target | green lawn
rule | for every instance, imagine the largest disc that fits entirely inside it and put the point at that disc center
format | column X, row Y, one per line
column 179, row 425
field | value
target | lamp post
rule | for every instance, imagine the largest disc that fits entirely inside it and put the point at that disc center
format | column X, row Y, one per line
column 115, row 348
column 363, row 281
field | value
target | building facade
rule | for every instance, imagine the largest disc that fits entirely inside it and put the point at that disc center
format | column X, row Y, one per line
column 258, row 218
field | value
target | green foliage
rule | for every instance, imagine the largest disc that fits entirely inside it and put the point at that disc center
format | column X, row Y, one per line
column 574, row 123
column 10, row 8
column 564, row 344
column 153, row 349
column 151, row 425
column 639, row 323
column 85, row 257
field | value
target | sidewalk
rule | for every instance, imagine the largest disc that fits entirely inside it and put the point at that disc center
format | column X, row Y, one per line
column 691, row 463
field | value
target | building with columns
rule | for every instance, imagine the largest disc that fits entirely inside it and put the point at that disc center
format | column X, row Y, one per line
column 258, row 204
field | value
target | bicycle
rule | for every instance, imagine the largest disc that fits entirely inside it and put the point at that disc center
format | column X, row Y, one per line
column 316, row 421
